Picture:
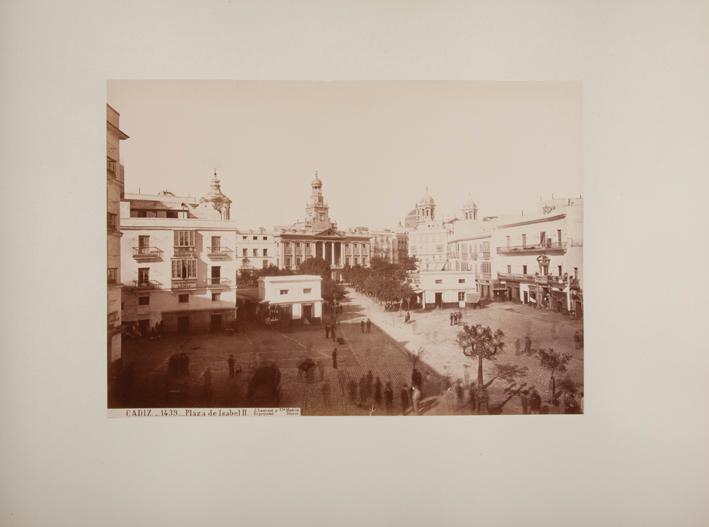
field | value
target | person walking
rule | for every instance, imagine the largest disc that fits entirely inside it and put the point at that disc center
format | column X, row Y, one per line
column 459, row 392
column 415, row 399
column 326, row 394
column 231, row 366
column 334, row 359
column 535, row 402
column 369, row 326
column 527, row 345
column 361, row 326
column 404, row 395
column 451, row 319
column 327, row 331
column 524, row 399
column 389, row 398
column 378, row 392
column 332, row 333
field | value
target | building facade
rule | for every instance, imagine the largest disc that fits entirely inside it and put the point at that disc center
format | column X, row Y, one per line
column 427, row 236
column 114, row 195
column 318, row 237
column 446, row 288
column 539, row 258
column 178, row 262
column 291, row 297
column 256, row 249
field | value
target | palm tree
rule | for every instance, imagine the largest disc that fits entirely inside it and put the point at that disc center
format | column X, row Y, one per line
column 555, row 362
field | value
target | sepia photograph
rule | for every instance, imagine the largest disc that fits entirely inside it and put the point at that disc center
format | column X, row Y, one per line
column 369, row 248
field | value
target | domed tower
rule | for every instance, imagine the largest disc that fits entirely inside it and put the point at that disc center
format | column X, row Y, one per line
column 426, row 208
column 216, row 199
column 470, row 209
column 316, row 210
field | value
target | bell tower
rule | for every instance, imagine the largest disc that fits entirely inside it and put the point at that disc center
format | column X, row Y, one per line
column 317, row 212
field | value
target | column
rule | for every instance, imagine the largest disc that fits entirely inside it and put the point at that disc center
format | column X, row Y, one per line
column 315, row 248
column 332, row 254
column 281, row 255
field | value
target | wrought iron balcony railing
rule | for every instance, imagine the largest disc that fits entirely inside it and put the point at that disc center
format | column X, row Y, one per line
column 146, row 253
column 218, row 252
column 548, row 246
column 218, row 282
column 145, row 284
column 516, row 276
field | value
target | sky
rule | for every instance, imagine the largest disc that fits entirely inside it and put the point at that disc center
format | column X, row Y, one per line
column 377, row 145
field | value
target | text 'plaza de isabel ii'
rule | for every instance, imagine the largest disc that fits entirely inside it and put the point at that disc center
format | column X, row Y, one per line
column 176, row 258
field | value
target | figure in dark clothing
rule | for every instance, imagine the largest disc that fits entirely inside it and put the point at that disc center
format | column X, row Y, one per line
column 416, row 379
column 527, row 345
column 378, row 392
column 334, row 359
column 352, row 390
column 404, row 395
column 369, row 326
column 363, row 395
column 451, row 319
column 535, row 402
column 231, row 366
column 389, row 398
column 459, row 392
column 327, row 331
column 361, row 326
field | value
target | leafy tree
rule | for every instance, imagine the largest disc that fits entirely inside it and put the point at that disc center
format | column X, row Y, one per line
column 482, row 343
column 555, row 362
column 316, row 266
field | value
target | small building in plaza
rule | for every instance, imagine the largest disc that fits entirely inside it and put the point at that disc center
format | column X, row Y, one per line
column 446, row 288
column 290, row 297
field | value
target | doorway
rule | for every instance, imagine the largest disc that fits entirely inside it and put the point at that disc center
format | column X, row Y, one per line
column 216, row 274
column 144, row 327
column 526, row 297
column 439, row 299
column 183, row 325
column 308, row 312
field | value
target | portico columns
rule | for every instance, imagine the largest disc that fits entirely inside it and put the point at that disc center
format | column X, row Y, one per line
column 332, row 254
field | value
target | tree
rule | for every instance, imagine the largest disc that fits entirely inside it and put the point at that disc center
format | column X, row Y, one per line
column 482, row 343
column 316, row 266
column 555, row 362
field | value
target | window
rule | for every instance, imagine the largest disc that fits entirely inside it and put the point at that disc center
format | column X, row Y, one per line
column 524, row 240
column 307, row 290
column 245, row 253
column 255, row 237
column 559, row 268
column 216, row 243
column 144, row 300
column 576, row 273
column 524, row 269
column 184, row 238
column 265, row 238
column 171, row 214
column 112, row 275
column 265, row 253
column 284, row 291
column 439, row 281
column 461, row 296
column 144, row 275
column 461, row 280
column 255, row 253
column 509, row 268
column 183, row 298
column 507, row 239
column 542, row 238
column 243, row 237
column 143, row 243
column 111, row 221
column 264, row 264
column 216, row 297
column 184, row 268
column 558, row 236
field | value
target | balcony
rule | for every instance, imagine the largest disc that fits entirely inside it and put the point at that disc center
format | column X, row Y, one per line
column 184, row 284
column 142, row 285
column 218, row 253
column 552, row 280
column 516, row 277
column 147, row 253
column 547, row 247
column 185, row 250
column 218, row 283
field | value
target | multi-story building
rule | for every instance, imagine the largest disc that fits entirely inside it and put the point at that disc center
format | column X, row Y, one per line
column 318, row 237
column 538, row 258
column 114, row 195
column 256, row 249
column 291, row 297
column 469, row 250
column 427, row 236
column 178, row 265
column 388, row 245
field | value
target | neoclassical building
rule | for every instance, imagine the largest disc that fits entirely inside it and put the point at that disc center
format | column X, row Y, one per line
column 318, row 237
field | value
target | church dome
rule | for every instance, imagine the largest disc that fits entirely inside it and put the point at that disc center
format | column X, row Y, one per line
column 317, row 183
column 426, row 199
column 469, row 203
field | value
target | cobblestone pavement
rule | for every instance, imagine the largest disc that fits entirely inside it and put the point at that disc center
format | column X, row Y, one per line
column 385, row 350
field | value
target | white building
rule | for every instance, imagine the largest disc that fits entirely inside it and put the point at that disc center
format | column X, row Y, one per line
column 177, row 261
column 256, row 249
column 539, row 258
column 427, row 236
column 291, row 297
column 446, row 288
